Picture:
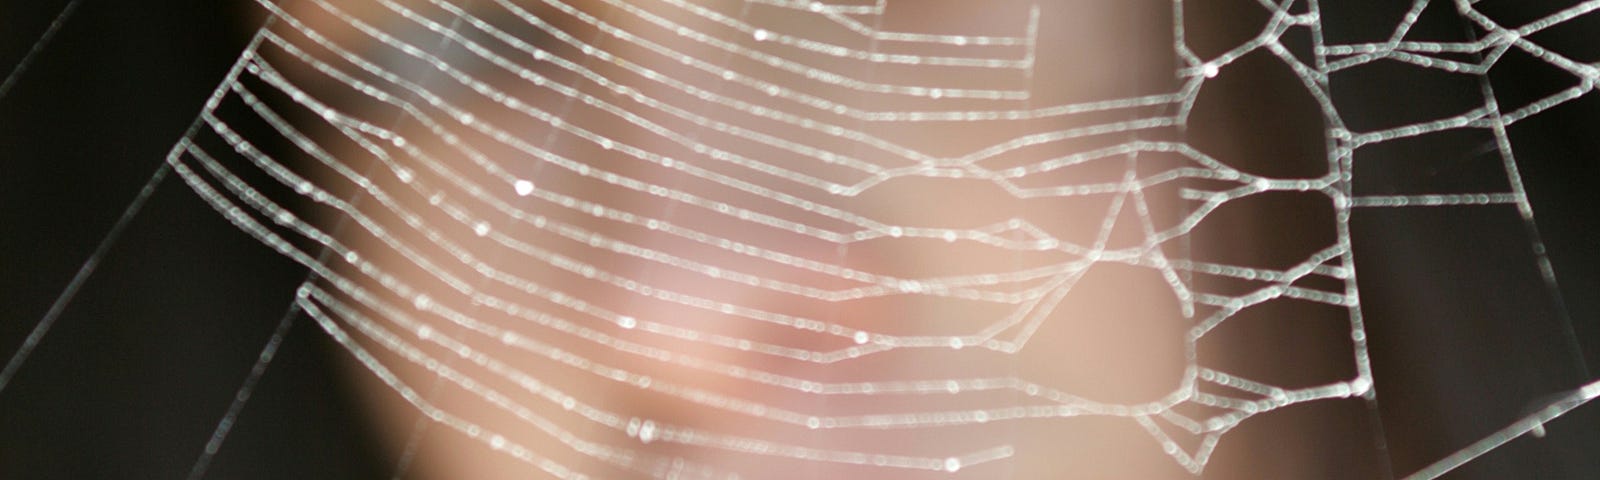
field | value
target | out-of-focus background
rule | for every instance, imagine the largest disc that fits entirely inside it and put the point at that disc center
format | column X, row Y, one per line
column 136, row 371
column 132, row 379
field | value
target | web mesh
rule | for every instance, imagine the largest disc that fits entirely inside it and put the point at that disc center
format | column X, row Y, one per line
column 810, row 236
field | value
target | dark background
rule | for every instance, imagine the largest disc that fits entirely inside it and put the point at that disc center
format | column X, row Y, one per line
column 133, row 377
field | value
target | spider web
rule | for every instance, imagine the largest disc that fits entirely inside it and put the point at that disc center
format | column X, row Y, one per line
column 476, row 184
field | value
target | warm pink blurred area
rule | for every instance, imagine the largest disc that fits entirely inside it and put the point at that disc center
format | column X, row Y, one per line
column 725, row 239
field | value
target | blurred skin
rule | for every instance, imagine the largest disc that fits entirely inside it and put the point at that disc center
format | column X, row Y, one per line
column 1116, row 336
